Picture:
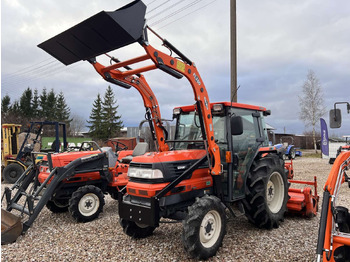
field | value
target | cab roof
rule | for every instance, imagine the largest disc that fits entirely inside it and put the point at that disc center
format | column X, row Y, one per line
column 225, row 104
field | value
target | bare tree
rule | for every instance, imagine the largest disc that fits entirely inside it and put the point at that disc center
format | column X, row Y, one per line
column 311, row 103
column 76, row 125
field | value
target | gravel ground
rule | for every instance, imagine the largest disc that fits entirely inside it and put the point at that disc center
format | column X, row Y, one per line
column 56, row 237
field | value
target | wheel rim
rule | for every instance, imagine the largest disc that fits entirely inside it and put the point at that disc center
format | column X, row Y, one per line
column 210, row 229
column 13, row 174
column 275, row 192
column 61, row 203
column 89, row 204
column 141, row 225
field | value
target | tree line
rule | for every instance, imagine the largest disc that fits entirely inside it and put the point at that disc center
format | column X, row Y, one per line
column 104, row 122
column 33, row 106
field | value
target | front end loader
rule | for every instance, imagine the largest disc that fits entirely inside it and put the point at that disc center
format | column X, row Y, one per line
column 220, row 155
column 28, row 196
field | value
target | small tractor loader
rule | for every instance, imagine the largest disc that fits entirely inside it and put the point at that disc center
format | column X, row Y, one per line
column 334, row 231
column 27, row 197
column 16, row 158
column 220, row 155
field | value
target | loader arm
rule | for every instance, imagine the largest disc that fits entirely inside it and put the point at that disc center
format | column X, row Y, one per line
column 113, row 75
column 107, row 31
column 329, row 238
column 176, row 68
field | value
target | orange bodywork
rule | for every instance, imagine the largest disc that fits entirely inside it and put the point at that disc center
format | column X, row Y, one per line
column 200, row 178
column 119, row 172
column 303, row 201
column 334, row 239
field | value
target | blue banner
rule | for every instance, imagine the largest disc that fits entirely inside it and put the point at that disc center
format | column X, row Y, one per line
column 324, row 138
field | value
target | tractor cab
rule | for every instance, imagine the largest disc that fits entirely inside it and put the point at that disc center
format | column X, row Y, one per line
column 239, row 131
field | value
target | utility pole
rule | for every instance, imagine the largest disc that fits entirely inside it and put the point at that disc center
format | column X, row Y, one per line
column 233, row 33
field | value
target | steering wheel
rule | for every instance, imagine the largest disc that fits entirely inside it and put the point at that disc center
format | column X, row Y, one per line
column 119, row 146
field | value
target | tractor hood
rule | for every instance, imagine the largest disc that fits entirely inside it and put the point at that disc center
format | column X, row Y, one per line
column 99, row 34
column 171, row 163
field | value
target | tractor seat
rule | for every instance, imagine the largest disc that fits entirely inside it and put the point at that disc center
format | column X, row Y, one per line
column 112, row 158
column 139, row 150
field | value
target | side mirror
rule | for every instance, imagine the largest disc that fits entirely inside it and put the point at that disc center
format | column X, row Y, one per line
column 335, row 118
column 236, row 125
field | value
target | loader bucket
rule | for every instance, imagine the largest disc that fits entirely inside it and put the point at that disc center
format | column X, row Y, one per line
column 99, row 34
column 11, row 227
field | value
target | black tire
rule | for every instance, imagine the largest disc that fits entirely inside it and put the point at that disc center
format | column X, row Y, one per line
column 266, row 192
column 12, row 172
column 57, row 206
column 292, row 153
column 136, row 230
column 204, row 227
column 86, row 203
column 331, row 161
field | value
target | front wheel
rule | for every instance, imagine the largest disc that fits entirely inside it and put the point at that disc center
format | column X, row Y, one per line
column 12, row 172
column 204, row 227
column 266, row 192
column 86, row 203
column 136, row 230
column 57, row 206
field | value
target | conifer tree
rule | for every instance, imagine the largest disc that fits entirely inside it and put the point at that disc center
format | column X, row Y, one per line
column 5, row 104
column 62, row 110
column 35, row 104
column 25, row 103
column 51, row 104
column 112, row 123
column 95, row 127
column 43, row 103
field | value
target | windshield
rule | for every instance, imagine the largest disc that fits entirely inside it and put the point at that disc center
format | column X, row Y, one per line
column 188, row 131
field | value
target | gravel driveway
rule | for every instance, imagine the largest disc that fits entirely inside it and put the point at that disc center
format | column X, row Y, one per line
column 56, row 237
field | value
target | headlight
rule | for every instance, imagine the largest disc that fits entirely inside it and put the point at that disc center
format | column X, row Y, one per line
column 144, row 173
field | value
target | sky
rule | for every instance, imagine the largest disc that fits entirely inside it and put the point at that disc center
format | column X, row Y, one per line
column 278, row 42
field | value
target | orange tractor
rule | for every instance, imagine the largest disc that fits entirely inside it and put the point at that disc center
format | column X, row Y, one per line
column 219, row 157
column 334, row 231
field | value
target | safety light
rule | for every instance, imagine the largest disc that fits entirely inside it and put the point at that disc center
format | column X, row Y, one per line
column 176, row 111
column 218, row 107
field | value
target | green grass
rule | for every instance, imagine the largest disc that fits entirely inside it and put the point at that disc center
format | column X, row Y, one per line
column 75, row 140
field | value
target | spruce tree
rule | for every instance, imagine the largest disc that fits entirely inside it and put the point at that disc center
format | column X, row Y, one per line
column 95, row 127
column 43, row 103
column 51, row 109
column 5, row 104
column 112, row 123
column 62, row 110
column 35, row 104
column 25, row 103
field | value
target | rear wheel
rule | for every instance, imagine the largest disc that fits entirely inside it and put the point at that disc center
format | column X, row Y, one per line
column 57, row 206
column 266, row 192
column 204, row 227
column 86, row 203
column 12, row 172
column 136, row 230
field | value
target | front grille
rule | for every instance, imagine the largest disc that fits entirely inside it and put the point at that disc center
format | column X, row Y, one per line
column 141, row 165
